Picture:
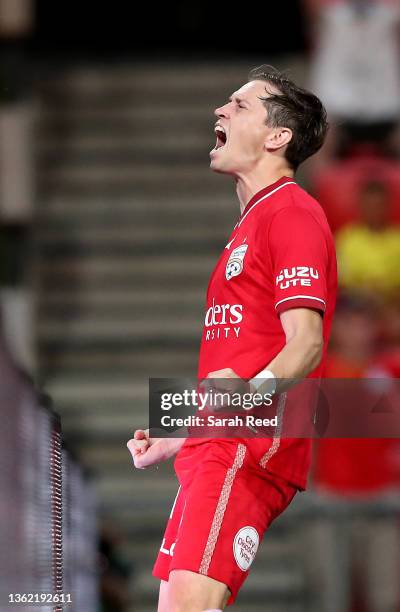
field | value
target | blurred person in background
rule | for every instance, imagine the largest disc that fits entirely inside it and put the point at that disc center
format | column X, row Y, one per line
column 355, row 334
column 338, row 187
column 350, row 465
column 355, row 69
column 368, row 250
column 356, row 551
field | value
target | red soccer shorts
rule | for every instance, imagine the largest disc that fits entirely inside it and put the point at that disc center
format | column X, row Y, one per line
column 225, row 503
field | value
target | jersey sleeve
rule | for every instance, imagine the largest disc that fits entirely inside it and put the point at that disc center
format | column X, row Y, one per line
column 299, row 257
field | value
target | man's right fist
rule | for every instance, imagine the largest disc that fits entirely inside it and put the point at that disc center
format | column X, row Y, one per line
column 147, row 451
column 139, row 445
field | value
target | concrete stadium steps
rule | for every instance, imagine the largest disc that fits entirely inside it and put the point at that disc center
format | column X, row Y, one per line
column 125, row 146
column 92, row 389
column 99, row 426
column 112, row 358
column 146, row 181
column 188, row 209
column 102, row 327
column 119, row 81
column 167, row 269
column 97, row 236
column 123, row 302
column 134, row 173
column 126, row 134
column 129, row 223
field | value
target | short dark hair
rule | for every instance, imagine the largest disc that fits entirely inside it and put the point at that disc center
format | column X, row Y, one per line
column 295, row 108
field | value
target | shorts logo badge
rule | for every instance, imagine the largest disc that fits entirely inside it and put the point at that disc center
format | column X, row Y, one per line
column 245, row 546
column 235, row 262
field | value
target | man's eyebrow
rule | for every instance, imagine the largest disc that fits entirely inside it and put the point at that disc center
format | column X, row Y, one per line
column 238, row 100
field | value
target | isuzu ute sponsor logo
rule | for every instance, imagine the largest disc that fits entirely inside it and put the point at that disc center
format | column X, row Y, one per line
column 245, row 546
column 222, row 320
column 297, row 276
column 234, row 265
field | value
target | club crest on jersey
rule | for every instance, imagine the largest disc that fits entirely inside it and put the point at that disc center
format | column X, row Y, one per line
column 234, row 265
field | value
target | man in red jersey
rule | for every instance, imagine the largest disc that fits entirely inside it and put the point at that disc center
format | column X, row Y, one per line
column 270, row 303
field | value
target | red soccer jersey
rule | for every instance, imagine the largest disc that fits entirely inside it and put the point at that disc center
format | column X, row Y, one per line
column 280, row 255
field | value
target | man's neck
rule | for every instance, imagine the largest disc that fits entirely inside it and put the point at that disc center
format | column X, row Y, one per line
column 247, row 186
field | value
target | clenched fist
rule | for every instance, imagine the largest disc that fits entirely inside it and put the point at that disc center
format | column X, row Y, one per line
column 147, row 451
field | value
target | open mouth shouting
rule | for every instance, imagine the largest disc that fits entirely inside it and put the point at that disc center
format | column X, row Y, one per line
column 221, row 137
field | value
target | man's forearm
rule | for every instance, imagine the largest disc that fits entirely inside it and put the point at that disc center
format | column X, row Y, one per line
column 301, row 355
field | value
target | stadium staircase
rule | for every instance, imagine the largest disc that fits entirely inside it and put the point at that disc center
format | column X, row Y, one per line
column 129, row 222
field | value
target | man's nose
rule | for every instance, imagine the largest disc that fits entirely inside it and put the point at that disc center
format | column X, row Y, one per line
column 222, row 111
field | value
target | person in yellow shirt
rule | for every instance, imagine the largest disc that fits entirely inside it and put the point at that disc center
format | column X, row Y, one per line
column 368, row 250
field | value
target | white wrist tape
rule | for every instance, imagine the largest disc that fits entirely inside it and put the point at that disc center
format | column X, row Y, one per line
column 260, row 378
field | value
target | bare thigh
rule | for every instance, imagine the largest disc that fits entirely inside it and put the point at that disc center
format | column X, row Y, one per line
column 191, row 592
column 163, row 597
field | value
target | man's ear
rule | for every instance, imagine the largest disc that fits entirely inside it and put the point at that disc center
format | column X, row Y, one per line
column 278, row 137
